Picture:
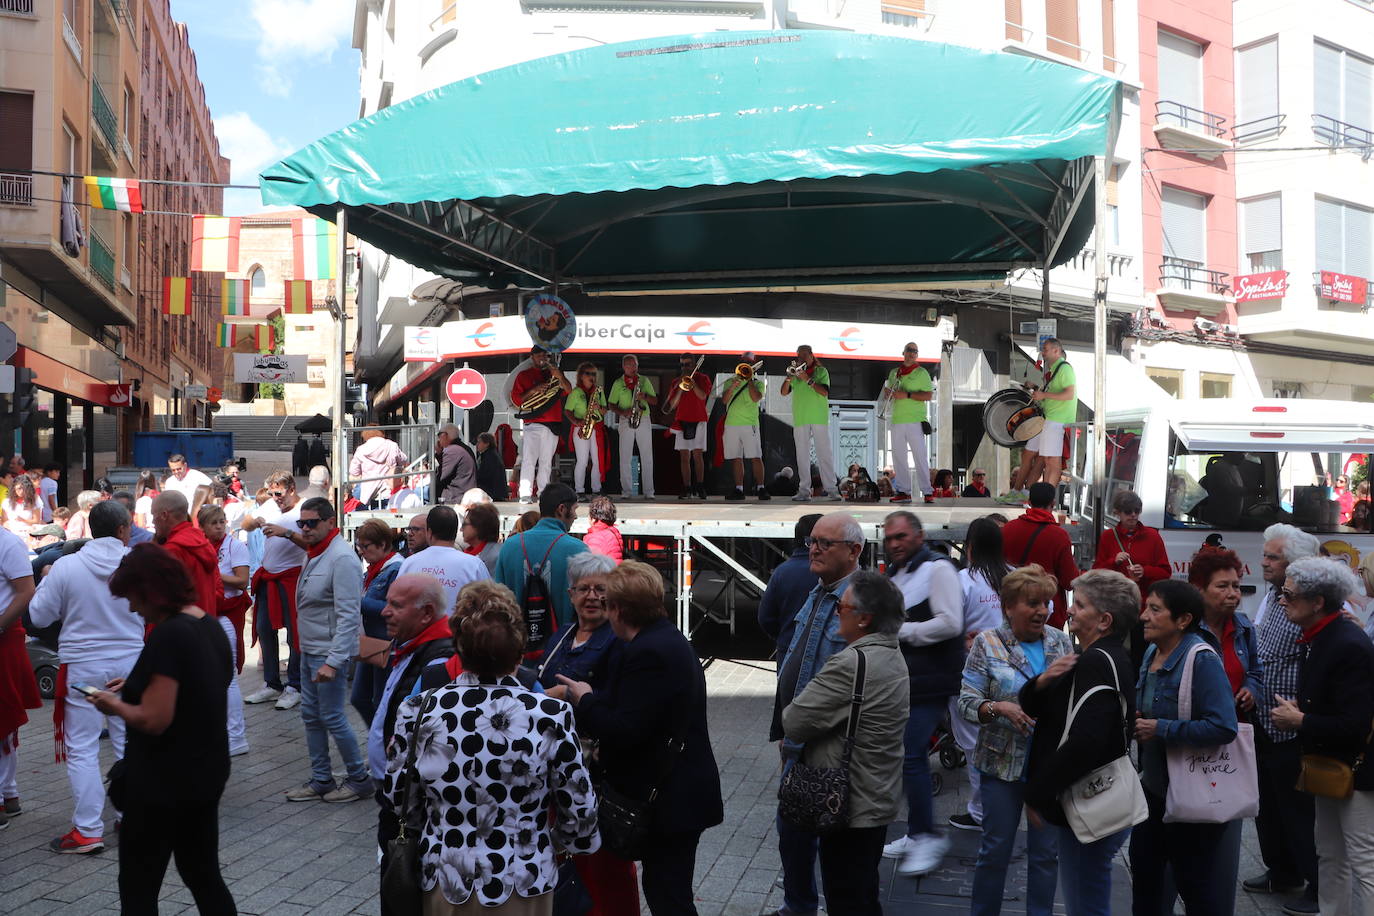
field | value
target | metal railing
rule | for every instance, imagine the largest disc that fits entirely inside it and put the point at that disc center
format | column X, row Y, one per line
column 22, row 7
column 1178, row 273
column 102, row 260
column 16, row 190
column 69, row 36
column 104, row 116
column 1340, row 134
column 1265, row 128
column 1118, row 265
column 1190, row 118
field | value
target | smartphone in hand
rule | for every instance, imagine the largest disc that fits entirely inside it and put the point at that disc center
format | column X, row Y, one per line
column 85, row 689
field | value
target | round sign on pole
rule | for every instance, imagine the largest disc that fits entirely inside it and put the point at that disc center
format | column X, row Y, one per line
column 466, row 388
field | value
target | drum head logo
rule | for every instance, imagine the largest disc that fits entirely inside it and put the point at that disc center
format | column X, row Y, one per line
column 550, row 322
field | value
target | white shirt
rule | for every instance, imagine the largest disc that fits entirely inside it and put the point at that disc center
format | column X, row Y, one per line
column 186, row 486
column 234, row 511
column 405, row 498
column 982, row 604
column 450, row 566
column 47, row 495
column 14, row 564
column 937, row 580
column 144, row 506
column 232, row 552
column 281, row 554
column 96, row 626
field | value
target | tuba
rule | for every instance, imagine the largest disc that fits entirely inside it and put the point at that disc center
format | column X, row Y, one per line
column 539, row 397
column 594, row 415
column 745, row 371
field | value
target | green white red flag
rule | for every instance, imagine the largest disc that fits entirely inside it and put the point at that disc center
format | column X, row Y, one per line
column 114, row 193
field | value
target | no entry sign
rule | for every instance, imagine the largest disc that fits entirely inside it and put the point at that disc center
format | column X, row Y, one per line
column 466, row 388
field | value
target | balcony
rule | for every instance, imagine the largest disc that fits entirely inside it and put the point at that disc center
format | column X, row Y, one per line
column 1185, row 128
column 1340, row 135
column 17, row 7
column 16, row 190
column 69, row 36
column 1189, row 286
column 1266, row 128
column 104, row 117
column 1118, row 265
column 102, row 260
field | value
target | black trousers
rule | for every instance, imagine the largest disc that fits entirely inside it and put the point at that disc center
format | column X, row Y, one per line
column 849, row 871
column 150, row 835
column 1286, row 824
column 1190, row 852
column 666, row 873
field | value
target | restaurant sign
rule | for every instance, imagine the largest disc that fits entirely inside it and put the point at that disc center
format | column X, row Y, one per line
column 1254, row 287
column 1343, row 287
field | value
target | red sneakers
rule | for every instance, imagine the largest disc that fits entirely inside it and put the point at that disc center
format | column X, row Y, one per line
column 73, row 843
column 901, row 498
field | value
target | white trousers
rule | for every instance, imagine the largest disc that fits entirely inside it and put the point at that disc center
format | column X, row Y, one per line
column 81, row 726
column 586, row 450
column 966, row 736
column 9, row 771
column 803, row 437
column 629, row 438
column 238, row 737
column 536, row 458
column 908, row 437
column 1345, row 854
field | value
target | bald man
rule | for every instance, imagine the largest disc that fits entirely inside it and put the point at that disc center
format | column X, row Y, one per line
column 417, row 534
column 172, row 529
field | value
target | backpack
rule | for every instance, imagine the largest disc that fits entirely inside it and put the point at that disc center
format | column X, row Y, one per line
column 540, row 620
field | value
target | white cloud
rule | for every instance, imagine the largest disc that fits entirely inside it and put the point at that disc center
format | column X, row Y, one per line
column 295, row 32
column 250, row 149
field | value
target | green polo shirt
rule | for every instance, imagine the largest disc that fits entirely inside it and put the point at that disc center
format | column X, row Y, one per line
column 907, row 410
column 620, row 392
column 1061, row 411
column 577, row 402
column 743, row 410
column 809, row 406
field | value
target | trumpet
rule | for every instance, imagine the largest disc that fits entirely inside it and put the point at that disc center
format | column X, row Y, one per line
column 885, row 400
column 593, row 417
column 796, row 369
column 745, row 371
column 687, row 382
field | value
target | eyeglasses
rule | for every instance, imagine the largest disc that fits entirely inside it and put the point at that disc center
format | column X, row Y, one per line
column 846, row 608
column 414, row 528
column 597, row 590
column 1287, row 594
column 980, row 474
column 823, row 543
column 910, row 350
column 308, row 524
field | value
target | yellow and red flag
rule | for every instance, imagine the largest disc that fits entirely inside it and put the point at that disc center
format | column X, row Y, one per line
column 176, row 295
column 299, row 298
column 215, row 243
column 264, row 338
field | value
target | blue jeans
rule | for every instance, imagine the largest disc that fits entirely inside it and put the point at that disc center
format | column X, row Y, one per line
column 797, row 850
column 920, row 808
column 322, row 713
column 1085, row 871
column 267, row 646
column 1002, row 803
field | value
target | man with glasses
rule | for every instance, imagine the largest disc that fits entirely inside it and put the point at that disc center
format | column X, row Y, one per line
column 911, row 391
column 834, row 548
column 441, row 559
column 633, row 390
column 457, row 464
column 544, row 551
column 977, row 484
column 417, row 534
column 542, row 424
column 274, row 589
column 689, row 425
column 329, row 615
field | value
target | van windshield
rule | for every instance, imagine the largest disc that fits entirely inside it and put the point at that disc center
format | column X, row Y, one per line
column 1249, row 491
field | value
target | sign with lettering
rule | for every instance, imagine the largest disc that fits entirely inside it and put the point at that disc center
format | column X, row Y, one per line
column 1343, row 287
column 269, row 367
column 1254, row 287
column 422, row 344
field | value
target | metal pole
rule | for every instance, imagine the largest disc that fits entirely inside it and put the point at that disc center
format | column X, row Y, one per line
column 340, row 345
column 1099, row 493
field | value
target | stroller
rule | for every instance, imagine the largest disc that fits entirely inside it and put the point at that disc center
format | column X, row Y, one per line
column 951, row 756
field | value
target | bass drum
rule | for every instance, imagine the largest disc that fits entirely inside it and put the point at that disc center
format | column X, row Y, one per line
column 1011, row 418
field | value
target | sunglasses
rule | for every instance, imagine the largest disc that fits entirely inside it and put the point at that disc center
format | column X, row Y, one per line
column 308, row 524
column 277, row 494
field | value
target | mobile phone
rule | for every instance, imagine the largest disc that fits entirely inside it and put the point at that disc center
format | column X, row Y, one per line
column 85, row 689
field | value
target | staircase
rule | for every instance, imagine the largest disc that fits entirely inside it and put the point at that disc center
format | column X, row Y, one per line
column 262, row 434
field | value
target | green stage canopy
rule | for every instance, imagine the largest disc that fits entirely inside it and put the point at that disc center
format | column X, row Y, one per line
column 725, row 159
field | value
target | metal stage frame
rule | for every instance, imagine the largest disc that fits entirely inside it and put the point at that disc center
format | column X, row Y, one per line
column 737, row 544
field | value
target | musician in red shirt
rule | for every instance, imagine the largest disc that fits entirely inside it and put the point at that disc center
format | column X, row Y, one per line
column 543, row 423
column 689, row 426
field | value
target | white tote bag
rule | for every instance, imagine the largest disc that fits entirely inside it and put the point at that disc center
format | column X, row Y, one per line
column 1108, row 799
column 1210, row 785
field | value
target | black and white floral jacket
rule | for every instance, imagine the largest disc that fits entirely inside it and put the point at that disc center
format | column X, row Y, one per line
column 494, row 758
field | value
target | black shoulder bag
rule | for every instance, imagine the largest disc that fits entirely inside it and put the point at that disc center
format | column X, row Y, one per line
column 816, row 799
column 624, row 821
column 400, row 891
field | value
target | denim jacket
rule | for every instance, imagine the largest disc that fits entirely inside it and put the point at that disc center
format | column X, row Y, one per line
column 1247, row 650
column 996, row 670
column 823, row 640
column 1213, row 718
column 374, row 598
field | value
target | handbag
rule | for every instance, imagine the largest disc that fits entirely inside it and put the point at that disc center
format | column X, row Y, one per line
column 816, row 799
column 1109, row 799
column 570, row 895
column 624, row 821
column 1210, row 785
column 400, row 887
column 1329, row 777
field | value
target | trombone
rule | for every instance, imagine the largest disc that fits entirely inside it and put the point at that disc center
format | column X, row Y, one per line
column 745, row 371
column 686, row 383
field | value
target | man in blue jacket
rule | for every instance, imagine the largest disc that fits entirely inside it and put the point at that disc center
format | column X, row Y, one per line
column 544, row 548
column 788, row 587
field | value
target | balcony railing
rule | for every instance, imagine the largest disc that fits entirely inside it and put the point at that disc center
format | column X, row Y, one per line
column 16, row 190
column 1340, row 134
column 21, row 7
column 1179, row 273
column 69, row 36
column 1190, row 118
column 1118, row 265
column 104, row 116
column 102, row 261
column 1265, row 128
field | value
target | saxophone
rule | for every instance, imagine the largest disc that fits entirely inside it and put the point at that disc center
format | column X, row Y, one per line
column 636, row 407
column 593, row 417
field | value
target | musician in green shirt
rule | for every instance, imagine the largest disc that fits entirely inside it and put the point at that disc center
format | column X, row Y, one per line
column 636, row 428
column 808, row 385
column 911, row 389
column 741, row 395
column 1058, row 397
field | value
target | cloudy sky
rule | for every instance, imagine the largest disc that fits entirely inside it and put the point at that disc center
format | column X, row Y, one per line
column 276, row 79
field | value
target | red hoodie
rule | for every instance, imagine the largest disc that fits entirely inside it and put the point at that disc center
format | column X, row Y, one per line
column 189, row 545
column 1051, row 548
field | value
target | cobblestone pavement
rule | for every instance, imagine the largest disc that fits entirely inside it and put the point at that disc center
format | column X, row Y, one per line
column 282, row 859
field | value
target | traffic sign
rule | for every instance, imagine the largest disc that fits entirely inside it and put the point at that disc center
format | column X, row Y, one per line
column 214, row 395
column 196, row 391
column 466, row 388
column 9, row 344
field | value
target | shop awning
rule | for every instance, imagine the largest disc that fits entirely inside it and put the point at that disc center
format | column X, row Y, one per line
column 725, row 159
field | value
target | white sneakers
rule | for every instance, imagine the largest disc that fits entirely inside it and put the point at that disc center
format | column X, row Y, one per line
column 290, row 698
column 264, row 695
column 917, row 855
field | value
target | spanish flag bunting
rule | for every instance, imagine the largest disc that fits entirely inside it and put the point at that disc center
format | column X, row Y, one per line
column 299, row 299
column 314, row 243
column 264, row 338
column 228, row 335
column 215, row 244
column 114, row 193
column 233, row 296
column 176, row 295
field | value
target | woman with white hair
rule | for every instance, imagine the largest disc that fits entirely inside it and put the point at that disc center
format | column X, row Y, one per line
column 79, row 525
column 457, row 465
column 1332, row 714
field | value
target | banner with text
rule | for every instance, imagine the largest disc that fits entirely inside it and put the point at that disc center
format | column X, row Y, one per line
column 1343, row 287
column 1255, row 287
column 269, row 367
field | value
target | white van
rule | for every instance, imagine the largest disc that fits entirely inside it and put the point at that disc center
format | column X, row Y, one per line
column 1221, row 471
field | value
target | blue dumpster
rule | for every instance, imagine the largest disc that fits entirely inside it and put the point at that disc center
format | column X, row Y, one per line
column 203, row 448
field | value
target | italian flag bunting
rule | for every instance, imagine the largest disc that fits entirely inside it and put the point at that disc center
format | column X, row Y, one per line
column 176, row 295
column 299, row 298
column 228, row 335
column 233, row 296
column 114, row 193
column 314, row 244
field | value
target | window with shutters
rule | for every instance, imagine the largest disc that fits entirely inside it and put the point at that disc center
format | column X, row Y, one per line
column 1261, row 221
column 1345, row 238
column 1109, row 61
column 903, row 12
column 1180, row 85
column 1061, row 28
column 1343, row 97
column 16, row 148
column 1185, row 226
column 1257, row 92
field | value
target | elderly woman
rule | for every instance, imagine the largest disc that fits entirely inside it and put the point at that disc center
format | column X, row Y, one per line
column 580, row 651
column 650, row 720
column 1000, row 663
column 1105, row 606
column 176, row 756
column 492, row 825
column 79, row 525
column 482, row 533
column 1198, row 854
column 376, row 544
column 602, row 535
column 1132, row 549
column 1331, row 714
column 1215, row 572
column 870, row 613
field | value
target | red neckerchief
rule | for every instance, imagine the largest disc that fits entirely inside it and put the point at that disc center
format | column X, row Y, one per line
column 314, row 550
column 1311, row 632
column 1040, row 516
column 475, row 548
column 374, row 568
column 454, row 666
column 907, row 370
column 631, row 382
column 439, row 629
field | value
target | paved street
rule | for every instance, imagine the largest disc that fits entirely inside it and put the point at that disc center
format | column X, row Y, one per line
column 282, row 859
